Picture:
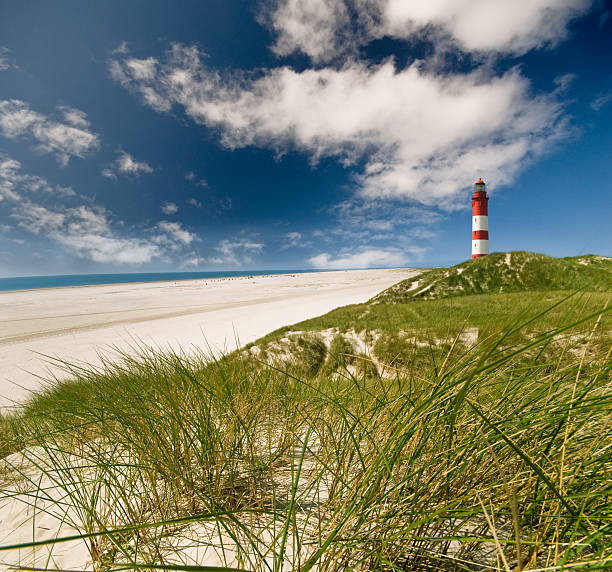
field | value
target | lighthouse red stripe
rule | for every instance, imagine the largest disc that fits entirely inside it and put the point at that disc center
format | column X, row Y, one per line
column 480, row 208
column 478, row 255
column 480, row 235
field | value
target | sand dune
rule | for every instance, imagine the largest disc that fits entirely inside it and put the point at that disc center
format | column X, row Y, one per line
column 77, row 324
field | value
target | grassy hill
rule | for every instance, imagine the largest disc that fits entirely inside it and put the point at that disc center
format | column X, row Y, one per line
column 459, row 429
column 506, row 272
column 415, row 322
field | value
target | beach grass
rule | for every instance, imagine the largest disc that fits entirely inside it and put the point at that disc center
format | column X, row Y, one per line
column 502, row 272
column 488, row 454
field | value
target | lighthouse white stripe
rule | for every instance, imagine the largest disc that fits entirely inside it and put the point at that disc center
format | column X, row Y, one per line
column 480, row 222
column 480, row 246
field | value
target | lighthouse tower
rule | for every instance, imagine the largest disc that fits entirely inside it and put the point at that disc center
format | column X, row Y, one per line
column 480, row 221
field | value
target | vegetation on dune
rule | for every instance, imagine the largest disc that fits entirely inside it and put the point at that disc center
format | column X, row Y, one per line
column 8, row 441
column 464, row 433
column 393, row 330
column 341, row 354
column 505, row 272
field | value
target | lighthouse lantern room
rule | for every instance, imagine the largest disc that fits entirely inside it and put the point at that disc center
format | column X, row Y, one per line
column 480, row 220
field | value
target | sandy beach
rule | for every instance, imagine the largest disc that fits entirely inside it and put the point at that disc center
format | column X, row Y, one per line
column 78, row 324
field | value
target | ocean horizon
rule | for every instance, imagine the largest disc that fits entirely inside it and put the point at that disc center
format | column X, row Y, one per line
column 68, row 280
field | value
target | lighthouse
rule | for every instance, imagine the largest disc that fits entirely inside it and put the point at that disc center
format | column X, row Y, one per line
column 480, row 220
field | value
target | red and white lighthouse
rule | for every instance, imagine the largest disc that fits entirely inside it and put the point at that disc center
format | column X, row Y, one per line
column 480, row 220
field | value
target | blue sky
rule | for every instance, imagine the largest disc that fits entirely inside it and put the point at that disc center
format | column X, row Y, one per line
column 288, row 134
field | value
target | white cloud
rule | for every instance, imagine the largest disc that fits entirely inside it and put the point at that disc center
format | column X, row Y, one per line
column 130, row 76
column 486, row 25
column 366, row 216
column 169, row 208
column 373, row 224
column 601, row 100
column 142, row 69
column 109, row 173
column 74, row 116
column 87, row 231
column 194, row 261
column 366, row 258
column 127, row 165
column 176, row 232
column 191, row 177
column 87, row 220
column 122, row 48
column 14, row 183
column 314, row 27
column 294, row 240
column 236, row 252
column 108, row 249
column 36, row 218
column 64, row 140
column 325, row 29
column 194, row 202
column 423, row 136
column 10, row 178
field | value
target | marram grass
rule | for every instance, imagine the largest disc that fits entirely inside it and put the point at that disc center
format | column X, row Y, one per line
column 495, row 456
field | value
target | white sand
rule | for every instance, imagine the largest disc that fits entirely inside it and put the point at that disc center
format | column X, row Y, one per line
column 76, row 324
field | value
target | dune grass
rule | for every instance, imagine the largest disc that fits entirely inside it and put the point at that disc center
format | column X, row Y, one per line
column 490, row 456
column 502, row 272
column 447, row 318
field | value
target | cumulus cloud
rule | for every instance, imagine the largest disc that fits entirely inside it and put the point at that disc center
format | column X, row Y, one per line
column 325, row 29
column 169, row 208
column 366, row 258
column 486, row 25
column 64, row 140
column 126, row 165
column 423, row 136
column 314, row 27
column 85, row 230
column 175, row 232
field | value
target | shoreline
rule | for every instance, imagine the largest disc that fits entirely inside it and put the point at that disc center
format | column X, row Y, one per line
column 83, row 325
column 256, row 273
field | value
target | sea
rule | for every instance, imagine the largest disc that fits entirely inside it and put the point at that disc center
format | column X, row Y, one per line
column 36, row 282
